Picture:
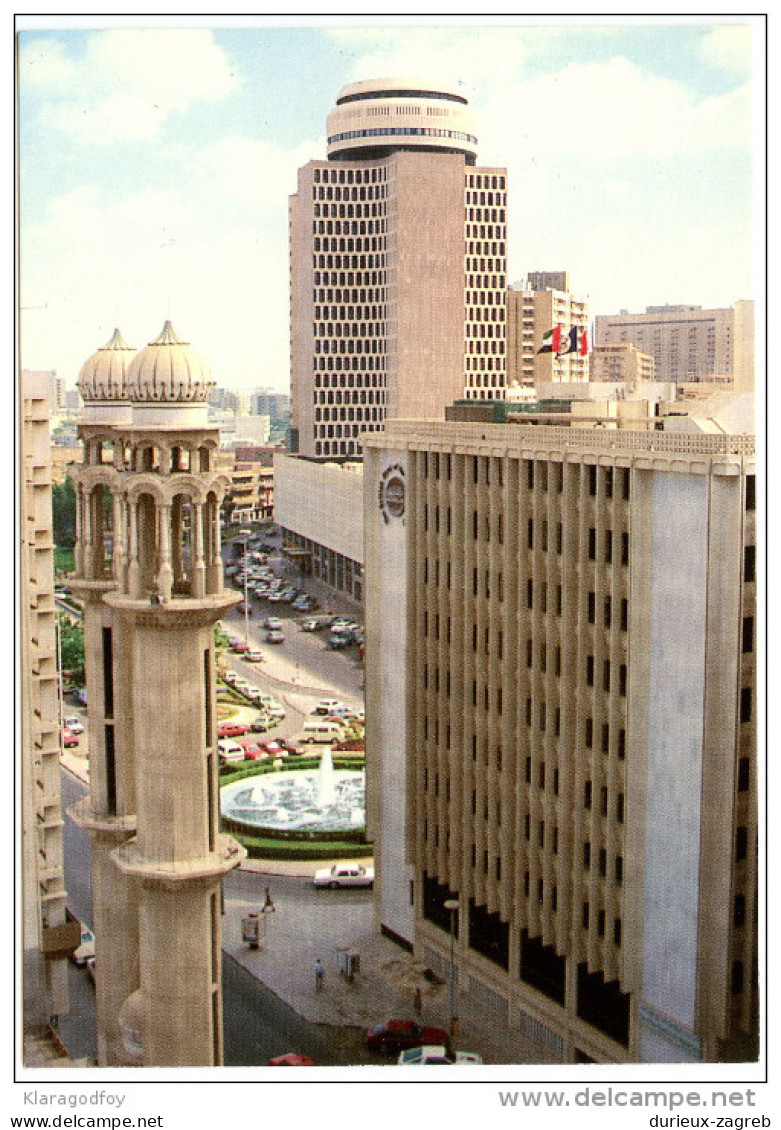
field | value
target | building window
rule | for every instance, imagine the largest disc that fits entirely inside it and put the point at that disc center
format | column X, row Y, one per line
column 748, row 634
column 739, row 911
column 741, row 843
column 751, row 492
column 591, row 607
column 590, row 670
column 737, row 978
column 617, row 931
column 586, row 856
column 743, row 775
column 585, row 915
column 750, row 563
column 624, row 615
column 619, row 872
column 745, row 704
column 592, row 544
column 587, row 794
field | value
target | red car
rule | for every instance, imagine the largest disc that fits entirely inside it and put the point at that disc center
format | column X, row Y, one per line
column 252, row 751
column 69, row 739
column 395, row 1035
column 291, row 1059
column 232, row 729
column 273, row 749
column 292, row 747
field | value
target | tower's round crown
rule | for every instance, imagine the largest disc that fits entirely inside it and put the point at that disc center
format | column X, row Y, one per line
column 168, row 369
column 103, row 376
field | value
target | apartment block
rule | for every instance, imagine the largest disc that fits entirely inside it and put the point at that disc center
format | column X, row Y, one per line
column 688, row 343
column 534, row 308
column 621, row 364
column 561, row 699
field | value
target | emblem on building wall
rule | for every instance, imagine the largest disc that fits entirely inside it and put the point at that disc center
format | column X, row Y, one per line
column 392, row 492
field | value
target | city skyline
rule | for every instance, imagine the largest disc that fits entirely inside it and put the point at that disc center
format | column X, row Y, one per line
column 156, row 166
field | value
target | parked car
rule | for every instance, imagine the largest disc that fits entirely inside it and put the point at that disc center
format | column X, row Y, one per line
column 344, row 875
column 80, row 696
column 272, row 624
column 275, row 636
column 273, row 749
column 395, row 1035
column 273, row 707
column 262, row 723
column 230, row 676
column 338, row 640
column 74, row 724
column 436, row 1053
column 69, row 739
column 291, row 1059
column 358, row 745
column 232, row 729
column 327, row 706
column 229, row 751
column 292, row 747
column 254, row 655
column 86, row 948
column 253, row 752
column 240, row 646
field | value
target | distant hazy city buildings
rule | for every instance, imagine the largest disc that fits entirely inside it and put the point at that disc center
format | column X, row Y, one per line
column 688, row 343
column 534, row 308
column 47, row 933
column 561, row 727
column 398, row 267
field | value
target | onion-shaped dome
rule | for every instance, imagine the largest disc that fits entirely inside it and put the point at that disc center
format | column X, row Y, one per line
column 104, row 376
column 168, row 370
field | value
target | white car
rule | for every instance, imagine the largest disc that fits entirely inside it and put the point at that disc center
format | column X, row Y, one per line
column 436, row 1053
column 328, row 706
column 74, row 724
column 345, row 875
column 254, row 655
column 274, row 708
column 86, row 949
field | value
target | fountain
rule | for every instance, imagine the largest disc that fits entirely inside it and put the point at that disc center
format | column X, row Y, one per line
column 301, row 803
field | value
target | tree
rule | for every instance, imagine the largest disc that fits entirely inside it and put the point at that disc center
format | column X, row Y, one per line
column 72, row 646
column 64, row 513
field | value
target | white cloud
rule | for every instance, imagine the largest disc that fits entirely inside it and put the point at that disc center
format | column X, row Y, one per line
column 128, row 84
column 729, row 47
column 252, row 172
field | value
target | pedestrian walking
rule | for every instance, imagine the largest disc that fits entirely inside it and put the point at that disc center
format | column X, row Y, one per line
column 268, row 905
column 319, row 975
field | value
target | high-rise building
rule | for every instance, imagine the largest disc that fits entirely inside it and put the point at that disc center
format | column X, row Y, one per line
column 561, row 633
column 48, row 934
column 534, row 308
column 148, row 569
column 688, row 343
column 398, row 267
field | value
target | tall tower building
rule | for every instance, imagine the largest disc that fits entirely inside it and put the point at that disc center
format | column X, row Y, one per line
column 148, row 569
column 398, row 267
column 561, row 728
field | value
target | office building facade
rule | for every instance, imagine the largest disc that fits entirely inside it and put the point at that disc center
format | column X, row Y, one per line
column 398, row 268
column 561, row 685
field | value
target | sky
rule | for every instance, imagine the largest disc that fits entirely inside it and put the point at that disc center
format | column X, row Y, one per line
column 156, row 163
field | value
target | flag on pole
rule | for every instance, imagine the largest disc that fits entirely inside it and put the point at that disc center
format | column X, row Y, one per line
column 576, row 341
column 551, row 341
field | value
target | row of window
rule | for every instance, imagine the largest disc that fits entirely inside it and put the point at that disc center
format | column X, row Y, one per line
column 368, row 211
column 349, row 431
column 372, row 192
column 486, row 215
column 349, row 244
column 353, row 228
column 352, row 296
column 343, row 414
column 356, row 396
column 376, row 261
column 333, row 174
column 349, row 329
column 361, row 365
column 350, row 277
column 484, row 257
column 403, row 131
column 350, row 345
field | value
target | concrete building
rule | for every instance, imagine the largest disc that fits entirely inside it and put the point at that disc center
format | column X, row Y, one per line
column 48, row 935
column 148, row 568
column 535, row 307
column 620, row 364
column 688, row 343
column 561, row 631
column 398, row 268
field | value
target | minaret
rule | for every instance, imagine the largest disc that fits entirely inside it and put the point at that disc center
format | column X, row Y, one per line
column 108, row 812
column 154, row 699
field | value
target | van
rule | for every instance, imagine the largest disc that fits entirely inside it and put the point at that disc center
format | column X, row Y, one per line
column 228, row 750
column 319, row 731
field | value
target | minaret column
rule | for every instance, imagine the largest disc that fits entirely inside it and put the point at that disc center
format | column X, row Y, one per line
column 199, row 572
column 134, row 569
column 165, row 572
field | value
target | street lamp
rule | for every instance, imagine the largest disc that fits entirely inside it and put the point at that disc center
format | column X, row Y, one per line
column 452, row 906
column 245, row 534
